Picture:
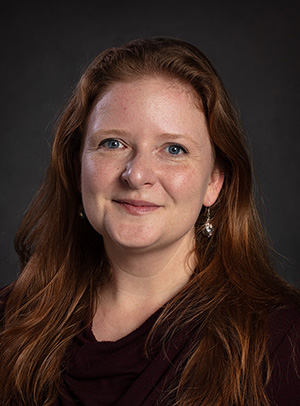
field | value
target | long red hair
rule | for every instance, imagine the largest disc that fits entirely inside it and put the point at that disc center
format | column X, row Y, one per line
column 63, row 260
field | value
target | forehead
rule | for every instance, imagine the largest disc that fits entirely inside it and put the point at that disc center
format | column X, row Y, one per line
column 150, row 94
column 146, row 81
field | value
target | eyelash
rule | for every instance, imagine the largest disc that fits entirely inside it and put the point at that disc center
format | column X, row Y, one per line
column 102, row 143
column 107, row 140
column 184, row 150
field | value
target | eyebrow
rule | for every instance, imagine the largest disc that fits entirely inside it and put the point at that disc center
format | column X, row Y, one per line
column 109, row 132
column 176, row 136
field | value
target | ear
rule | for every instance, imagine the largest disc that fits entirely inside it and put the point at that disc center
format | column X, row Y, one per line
column 214, row 187
column 77, row 171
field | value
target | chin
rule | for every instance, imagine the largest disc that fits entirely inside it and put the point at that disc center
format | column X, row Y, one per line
column 135, row 244
column 142, row 239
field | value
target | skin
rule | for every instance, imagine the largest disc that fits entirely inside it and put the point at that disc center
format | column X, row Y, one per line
column 147, row 168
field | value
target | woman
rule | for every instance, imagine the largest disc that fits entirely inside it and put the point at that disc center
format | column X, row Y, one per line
column 145, row 272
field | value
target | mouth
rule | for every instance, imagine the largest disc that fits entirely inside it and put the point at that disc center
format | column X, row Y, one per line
column 136, row 207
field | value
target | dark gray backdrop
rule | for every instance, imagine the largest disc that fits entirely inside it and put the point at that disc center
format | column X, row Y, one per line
column 253, row 44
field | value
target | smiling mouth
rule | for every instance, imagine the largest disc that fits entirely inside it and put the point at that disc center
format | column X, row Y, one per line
column 137, row 207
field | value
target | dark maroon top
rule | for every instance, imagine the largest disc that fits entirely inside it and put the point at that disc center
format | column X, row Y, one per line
column 119, row 373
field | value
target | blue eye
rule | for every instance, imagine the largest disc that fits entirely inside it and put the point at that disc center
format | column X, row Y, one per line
column 175, row 149
column 111, row 144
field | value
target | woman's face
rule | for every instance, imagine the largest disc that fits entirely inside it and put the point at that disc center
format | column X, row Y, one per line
column 147, row 165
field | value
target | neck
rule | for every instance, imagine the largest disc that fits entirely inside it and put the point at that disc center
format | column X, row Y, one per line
column 150, row 276
column 141, row 283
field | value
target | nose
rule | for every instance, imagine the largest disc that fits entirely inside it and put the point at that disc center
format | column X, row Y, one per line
column 139, row 172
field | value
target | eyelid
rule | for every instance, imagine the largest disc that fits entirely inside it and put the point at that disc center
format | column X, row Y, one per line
column 101, row 143
column 176, row 144
column 123, row 144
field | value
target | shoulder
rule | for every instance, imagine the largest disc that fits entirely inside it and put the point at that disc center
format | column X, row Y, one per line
column 284, row 354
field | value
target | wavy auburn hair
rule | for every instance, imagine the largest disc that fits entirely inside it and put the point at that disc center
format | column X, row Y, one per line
column 63, row 261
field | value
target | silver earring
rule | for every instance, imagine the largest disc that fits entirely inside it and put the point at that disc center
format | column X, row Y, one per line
column 208, row 229
column 82, row 213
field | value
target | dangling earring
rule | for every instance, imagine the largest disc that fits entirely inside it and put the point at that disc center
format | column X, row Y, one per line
column 208, row 229
column 82, row 213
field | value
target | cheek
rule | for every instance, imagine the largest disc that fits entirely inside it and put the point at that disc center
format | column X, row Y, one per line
column 89, row 175
column 96, row 175
column 188, row 186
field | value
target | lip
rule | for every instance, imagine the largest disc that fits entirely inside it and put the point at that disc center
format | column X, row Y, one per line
column 136, row 207
column 137, row 203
